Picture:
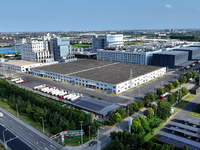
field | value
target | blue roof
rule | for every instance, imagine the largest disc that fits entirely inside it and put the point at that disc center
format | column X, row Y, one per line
column 191, row 121
column 179, row 141
column 187, row 127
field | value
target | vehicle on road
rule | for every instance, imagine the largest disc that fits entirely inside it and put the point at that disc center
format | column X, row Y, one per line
column 93, row 143
column 164, row 95
column 1, row 114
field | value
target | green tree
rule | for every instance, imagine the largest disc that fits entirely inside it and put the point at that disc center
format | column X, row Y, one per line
column 92, row 96
column 150, row 96
column 184, row 90
column 154, row 107
column 182, row 79
column 149, row 112
column 188, row 75
column 135, row 126
column 99, row 98
column 160, row 91
column 193, row 74
column 122, row 112
column 175, row 83
column 164, row 109
column 171, row 99
column 118, row 117
column 169, row 87
column 140, row 103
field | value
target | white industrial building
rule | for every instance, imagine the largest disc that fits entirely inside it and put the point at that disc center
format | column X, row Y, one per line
column 142, row 58
column 104, row 41
column 111, row 77
column 20, row 65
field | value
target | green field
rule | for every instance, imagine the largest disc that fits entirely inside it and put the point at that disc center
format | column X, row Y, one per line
column 81, row 45
column 196, row 112
column 130, row 42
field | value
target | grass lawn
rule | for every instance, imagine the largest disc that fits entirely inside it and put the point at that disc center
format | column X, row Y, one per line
column 196, row 112
column 81, row 45
column 130, row 42
column 186, row 100
column 154, row 138
column 75, row 141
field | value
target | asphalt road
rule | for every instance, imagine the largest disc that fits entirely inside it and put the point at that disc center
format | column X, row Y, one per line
column 184, row 112
column 32, row 137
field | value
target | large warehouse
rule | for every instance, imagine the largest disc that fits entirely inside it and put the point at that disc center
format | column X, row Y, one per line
column 193, row 52
column 171, row 59
column 112, row 77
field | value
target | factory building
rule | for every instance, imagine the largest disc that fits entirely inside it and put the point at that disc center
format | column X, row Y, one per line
column 135, row 57
column 111, row 77
column 193, row 52
column 104, row 41
column 171, row 59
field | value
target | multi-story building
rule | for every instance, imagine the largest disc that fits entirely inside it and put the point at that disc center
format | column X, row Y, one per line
column 104, row 41
column 143, row 57
column 61, row 48
column 35, row 50
column 46, row 49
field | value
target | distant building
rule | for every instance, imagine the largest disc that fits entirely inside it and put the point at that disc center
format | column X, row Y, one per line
column 104, row 41
column 36, row 50
column 61, row 48
column 171, row 59
column 137, row 57
column 46, row 49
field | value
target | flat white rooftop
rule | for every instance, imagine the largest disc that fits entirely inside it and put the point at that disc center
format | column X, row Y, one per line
column 21, row 63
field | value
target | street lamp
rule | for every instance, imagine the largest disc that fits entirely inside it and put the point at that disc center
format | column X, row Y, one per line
column 139, row 93
column 89, row 132
column 81, row 133
column 17, row 110
column 42, row 124
column 4, row 138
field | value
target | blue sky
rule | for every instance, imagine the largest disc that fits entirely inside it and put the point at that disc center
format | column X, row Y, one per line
column 61, row 15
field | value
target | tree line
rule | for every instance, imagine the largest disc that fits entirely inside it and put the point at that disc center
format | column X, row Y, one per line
column 56, row 117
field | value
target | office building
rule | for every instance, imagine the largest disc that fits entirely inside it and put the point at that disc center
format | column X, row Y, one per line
column 104, row 41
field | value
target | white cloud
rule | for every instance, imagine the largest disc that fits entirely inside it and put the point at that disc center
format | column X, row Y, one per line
column 168, row 6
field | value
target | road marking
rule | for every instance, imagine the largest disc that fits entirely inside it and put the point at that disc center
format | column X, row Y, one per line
column 30, row 134
column 11, row 121
column 52, row 146
column 42, row 143
column 20, row 127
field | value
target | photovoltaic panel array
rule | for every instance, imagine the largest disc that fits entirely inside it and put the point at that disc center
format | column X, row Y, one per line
column 94, row 105
column 185, row 132
column 178, row 141
column 190, row 120
column 187, row 127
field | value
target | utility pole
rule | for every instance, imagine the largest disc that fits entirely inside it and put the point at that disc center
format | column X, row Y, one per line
column 89, row 132
column 4, row 141
column 42, row 123
column 81, row 133
column 17, row 111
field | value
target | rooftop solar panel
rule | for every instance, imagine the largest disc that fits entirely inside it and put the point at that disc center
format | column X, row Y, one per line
column 191, row 121
column 187, row 127
column 94, row 105
column 185, row 132
column 183, row 140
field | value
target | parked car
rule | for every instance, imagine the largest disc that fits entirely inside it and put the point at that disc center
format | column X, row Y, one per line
column 93, row 143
